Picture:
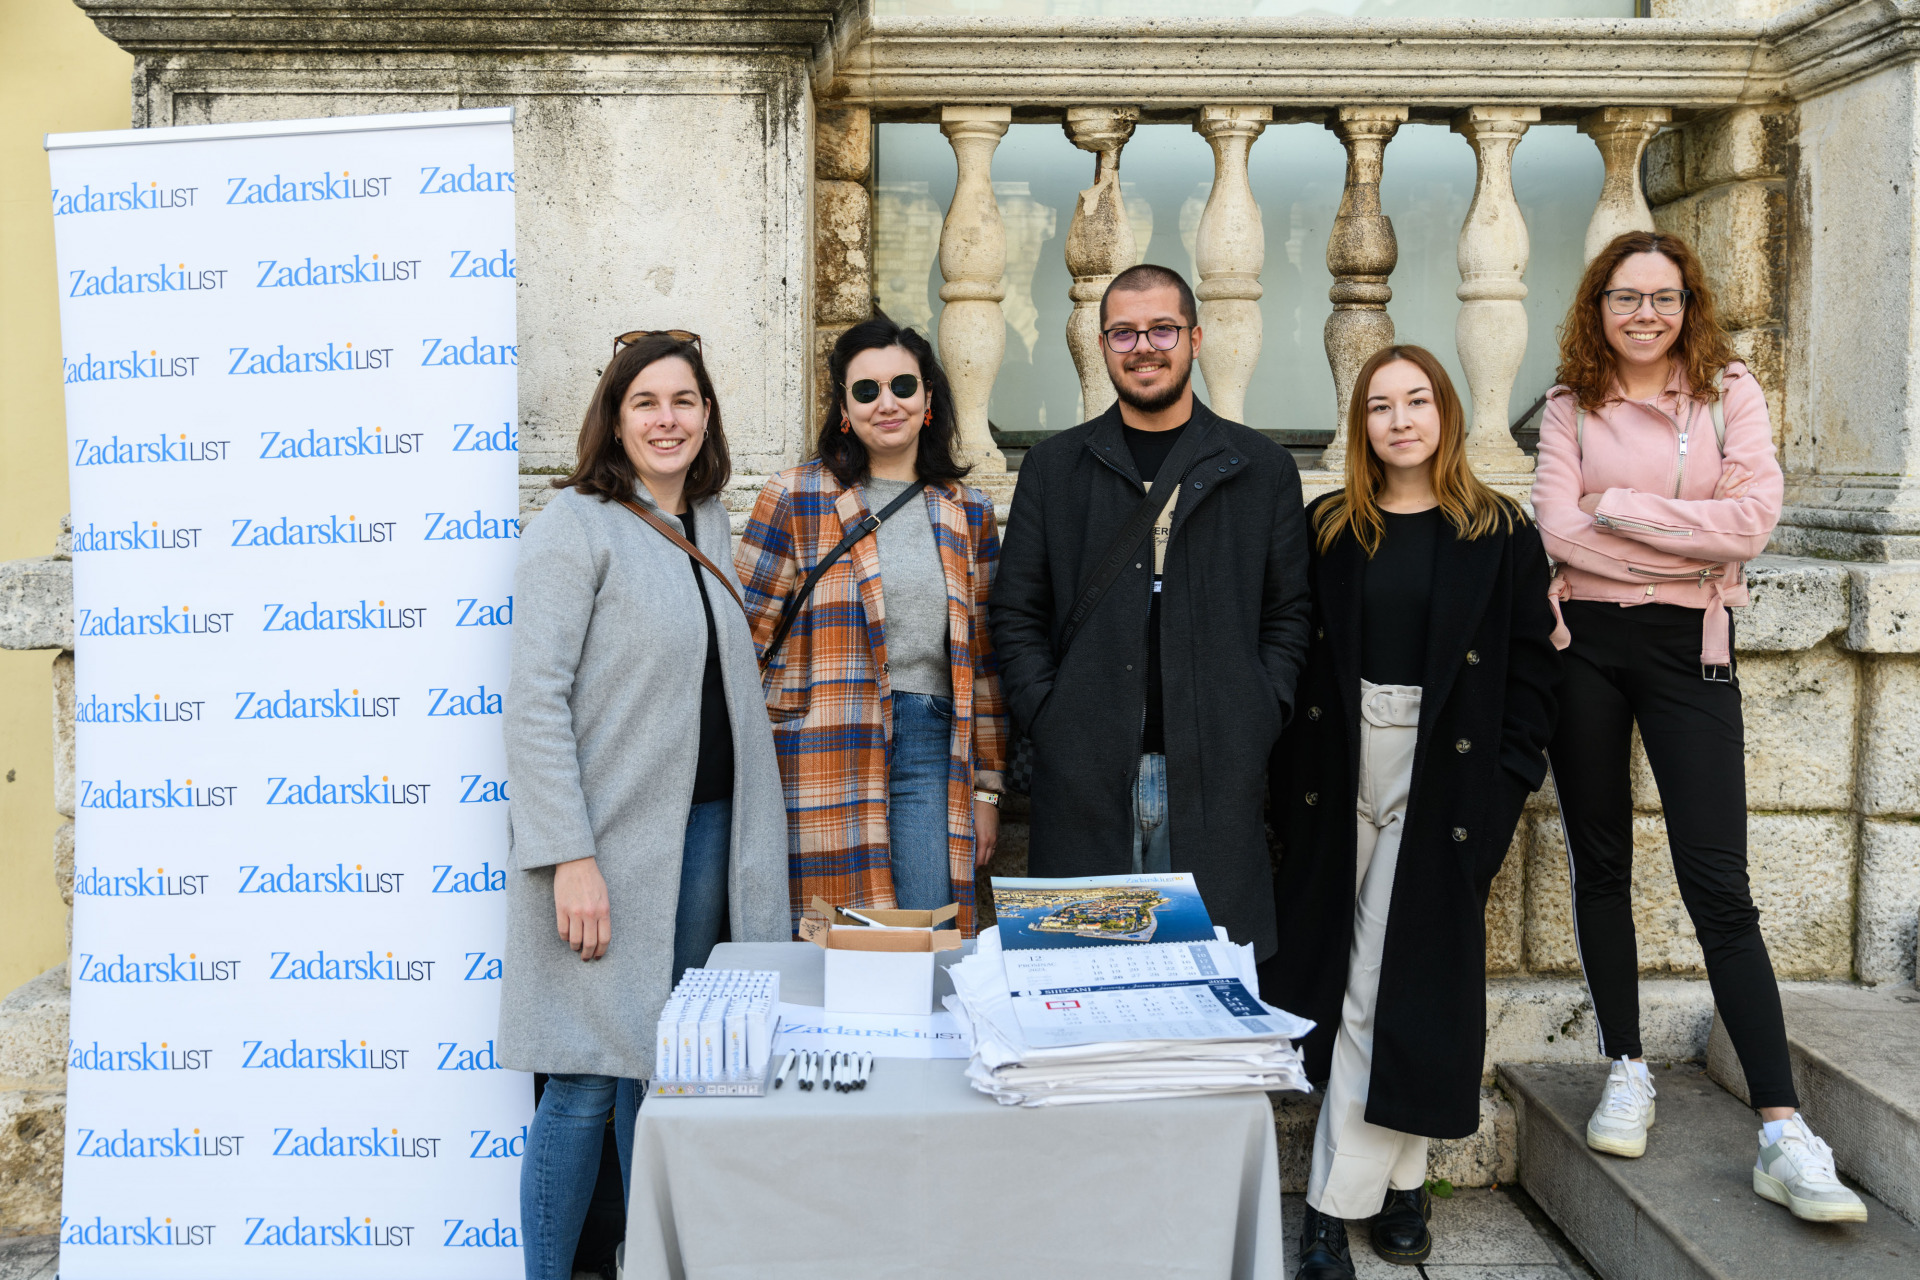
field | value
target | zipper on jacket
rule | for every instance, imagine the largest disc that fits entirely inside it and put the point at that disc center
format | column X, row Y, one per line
column 1704, row 575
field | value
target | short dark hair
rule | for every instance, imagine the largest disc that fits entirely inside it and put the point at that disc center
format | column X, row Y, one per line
column 1139, row 279
column 602, row 468
column 842, row 452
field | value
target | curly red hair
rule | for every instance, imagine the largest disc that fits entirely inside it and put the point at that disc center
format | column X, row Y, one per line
column 1586, row 361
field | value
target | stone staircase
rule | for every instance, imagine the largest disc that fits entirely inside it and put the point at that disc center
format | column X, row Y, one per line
column 1686, row 1210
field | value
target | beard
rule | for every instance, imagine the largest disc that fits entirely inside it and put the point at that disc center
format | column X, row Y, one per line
column 1155, row 401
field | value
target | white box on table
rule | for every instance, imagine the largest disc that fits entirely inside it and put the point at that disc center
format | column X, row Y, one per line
column 880, row 970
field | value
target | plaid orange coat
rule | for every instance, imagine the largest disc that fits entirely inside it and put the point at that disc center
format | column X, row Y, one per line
column 828, row 691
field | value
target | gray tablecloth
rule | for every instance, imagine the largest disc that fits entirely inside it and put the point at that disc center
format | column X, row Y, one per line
column 918, row 1175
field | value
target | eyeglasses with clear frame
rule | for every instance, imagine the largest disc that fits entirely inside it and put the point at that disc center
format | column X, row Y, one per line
column 1666, row 302
column 1161, row 337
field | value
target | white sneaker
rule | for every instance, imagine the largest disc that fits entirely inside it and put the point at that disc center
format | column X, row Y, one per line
column 1797, row 1171
column 1618, row 1125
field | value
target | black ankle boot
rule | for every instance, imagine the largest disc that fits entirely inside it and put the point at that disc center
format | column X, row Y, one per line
column 1323, row 1248
column 1400, row 1232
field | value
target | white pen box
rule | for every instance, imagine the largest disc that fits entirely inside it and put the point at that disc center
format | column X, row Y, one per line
column 888, row 970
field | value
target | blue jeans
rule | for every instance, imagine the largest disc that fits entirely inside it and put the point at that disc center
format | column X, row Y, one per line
column 562, row 1160
column 1152, row 832
column 917, row 801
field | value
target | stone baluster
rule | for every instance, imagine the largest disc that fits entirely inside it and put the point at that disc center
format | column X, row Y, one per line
column 1361, row 253
column 1491, row 332
column 1622, row 134
column 973, row 256
column 1230, row 250
column 1100, row 244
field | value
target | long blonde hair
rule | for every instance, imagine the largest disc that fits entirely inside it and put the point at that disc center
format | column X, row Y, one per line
column 1472, row 508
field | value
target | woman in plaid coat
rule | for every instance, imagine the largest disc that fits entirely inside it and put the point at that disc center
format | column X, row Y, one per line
column 884, row 697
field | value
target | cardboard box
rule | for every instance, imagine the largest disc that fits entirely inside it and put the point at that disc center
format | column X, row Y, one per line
column 880, row 970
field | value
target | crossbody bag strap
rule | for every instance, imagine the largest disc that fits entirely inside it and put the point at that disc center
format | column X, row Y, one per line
column 864, row 526
column 681, row 541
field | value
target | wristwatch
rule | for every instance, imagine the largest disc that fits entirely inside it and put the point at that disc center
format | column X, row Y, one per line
column 987, row 797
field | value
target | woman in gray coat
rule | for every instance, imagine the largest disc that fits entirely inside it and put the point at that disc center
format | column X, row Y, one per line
column 644, row 790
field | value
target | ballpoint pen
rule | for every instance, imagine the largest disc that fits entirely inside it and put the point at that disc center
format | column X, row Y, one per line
column 784, row 1068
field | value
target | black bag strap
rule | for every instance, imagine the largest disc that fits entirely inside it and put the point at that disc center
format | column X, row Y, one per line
column 1171, row 473
column 864, row 526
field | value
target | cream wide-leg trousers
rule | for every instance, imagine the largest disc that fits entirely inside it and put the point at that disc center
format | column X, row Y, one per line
column 1355, row 1162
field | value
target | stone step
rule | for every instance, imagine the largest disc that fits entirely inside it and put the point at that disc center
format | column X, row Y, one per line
column 1856, row 1067
column 1686, row 1210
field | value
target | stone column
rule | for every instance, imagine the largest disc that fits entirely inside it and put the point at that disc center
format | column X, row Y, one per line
column 1491, row 333
column 1228, row 254
column 1100, row 244
column 1361, row 253
column 973, row 255
column 1622, row 134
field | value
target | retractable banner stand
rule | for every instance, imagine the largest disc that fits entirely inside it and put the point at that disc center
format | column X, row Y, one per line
column 290, row 367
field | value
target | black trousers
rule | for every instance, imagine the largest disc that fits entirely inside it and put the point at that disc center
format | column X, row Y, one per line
column 1643, row 664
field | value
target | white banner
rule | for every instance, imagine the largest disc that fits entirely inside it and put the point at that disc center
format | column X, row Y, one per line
column 290, row 368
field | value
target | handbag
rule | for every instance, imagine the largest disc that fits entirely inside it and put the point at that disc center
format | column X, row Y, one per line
column 862, row 527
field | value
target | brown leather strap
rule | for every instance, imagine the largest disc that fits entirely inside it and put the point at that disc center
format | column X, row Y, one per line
column 679, row 540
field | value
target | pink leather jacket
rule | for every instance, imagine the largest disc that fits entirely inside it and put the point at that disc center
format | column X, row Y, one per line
column 1659, row 534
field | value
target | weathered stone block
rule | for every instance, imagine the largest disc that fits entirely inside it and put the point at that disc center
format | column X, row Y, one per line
column 824, row 337
column 1739, row 231
column 1507, row 908
column 36, row 603
column 1885, row 602
column 1551, row 1020
column 63, row 734
column 1764, row 351
column 33, row 1034
column 1887, row 920
column 63, row 862
column 33, row 1125
column 1797, row 603
column 1890, row 737
column 1489, row 1155
column 843, row 143
column 536, row 491
column 1738, row 145
column 1801, row 867
column 843, row 253
column 1800, row 711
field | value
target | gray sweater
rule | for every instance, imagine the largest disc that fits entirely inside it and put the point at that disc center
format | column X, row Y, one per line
column 913, row 589
column 602, row 735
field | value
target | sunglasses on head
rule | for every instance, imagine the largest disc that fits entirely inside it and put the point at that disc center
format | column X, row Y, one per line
column 866, row 391
column 678, row 335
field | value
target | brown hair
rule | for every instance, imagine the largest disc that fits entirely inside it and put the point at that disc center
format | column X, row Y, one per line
column 603, row 468
column 1471, row 507
column 1587, row 362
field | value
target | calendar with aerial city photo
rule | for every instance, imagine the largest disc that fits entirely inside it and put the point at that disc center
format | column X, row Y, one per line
column 1099, row 911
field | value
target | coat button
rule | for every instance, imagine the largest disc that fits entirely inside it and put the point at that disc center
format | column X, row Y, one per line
column 1313, row 797
column 1129, row 666
column 1473, row 657
column 1313, row 713
column 1459, row 833
column 1223, row 471
column 1322, row 633
column 1233, row 462
column 1463, row 746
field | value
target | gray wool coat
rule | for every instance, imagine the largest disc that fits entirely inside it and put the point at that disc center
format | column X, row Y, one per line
column 602, row 730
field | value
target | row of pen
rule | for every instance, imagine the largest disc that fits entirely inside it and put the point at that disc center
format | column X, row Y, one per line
column 842, row 1072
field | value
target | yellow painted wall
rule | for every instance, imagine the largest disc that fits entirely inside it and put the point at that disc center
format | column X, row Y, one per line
column 58, row 74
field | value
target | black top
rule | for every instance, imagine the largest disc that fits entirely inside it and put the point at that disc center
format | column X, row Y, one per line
column 1150, row 450
column 713, row 775
column 1396, row 592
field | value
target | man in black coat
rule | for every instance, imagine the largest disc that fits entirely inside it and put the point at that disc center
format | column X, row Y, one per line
column 1151, row 726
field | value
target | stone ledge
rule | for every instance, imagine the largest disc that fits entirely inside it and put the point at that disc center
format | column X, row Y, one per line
column 1797, row 603
column 1886, row 608
column 36, row 603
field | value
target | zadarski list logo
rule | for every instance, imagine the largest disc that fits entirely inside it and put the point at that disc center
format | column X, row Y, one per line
column 329, row 185
column 118, row 970
column 280, row 446
column 129, row 368
column 165, row 794
column 145, row 1057
column 455, row 1056
column 503, row 1144
column 330, row 531
column 330, row 704
column 475, row 613
column 333, row 358
column 112, row 282
column 479, row 789
column 461, row 702
column 135, row 1233
column 115, row 452
column 485, row 878
column 445, row 527
column 139, row 883
column 328, row 1233
column 345, row 791
column 284, row 273
column 321, row 967
column 96, row 1144
column 356, row 616
column 479, row 264
column 440, row 352
column 93, row 709
column 128, row 199
column 482, row 967
column 476, row 439
column 342, row 1055
column 337, row 879
column 135, row 535
column 438, row 181
column 370, row 1143
column 479, row 1233
column 166, row 621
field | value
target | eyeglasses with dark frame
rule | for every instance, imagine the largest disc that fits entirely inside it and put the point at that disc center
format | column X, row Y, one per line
column 1666, row 302
column 678, row 335
column 866, row 391
column 1161, row 337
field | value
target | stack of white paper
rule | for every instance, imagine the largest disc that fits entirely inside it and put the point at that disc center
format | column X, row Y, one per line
column 1099, row 1024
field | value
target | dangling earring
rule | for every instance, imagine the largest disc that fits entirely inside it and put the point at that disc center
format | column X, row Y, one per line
column 845, row 426
column 928, row 420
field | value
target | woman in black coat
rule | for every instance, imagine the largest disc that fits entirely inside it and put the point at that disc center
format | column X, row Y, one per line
column 1426, row 705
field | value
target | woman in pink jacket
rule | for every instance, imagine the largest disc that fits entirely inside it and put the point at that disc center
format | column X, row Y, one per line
column 1656, row 479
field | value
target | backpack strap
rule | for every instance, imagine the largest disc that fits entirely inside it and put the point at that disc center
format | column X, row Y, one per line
column 1718, row 410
